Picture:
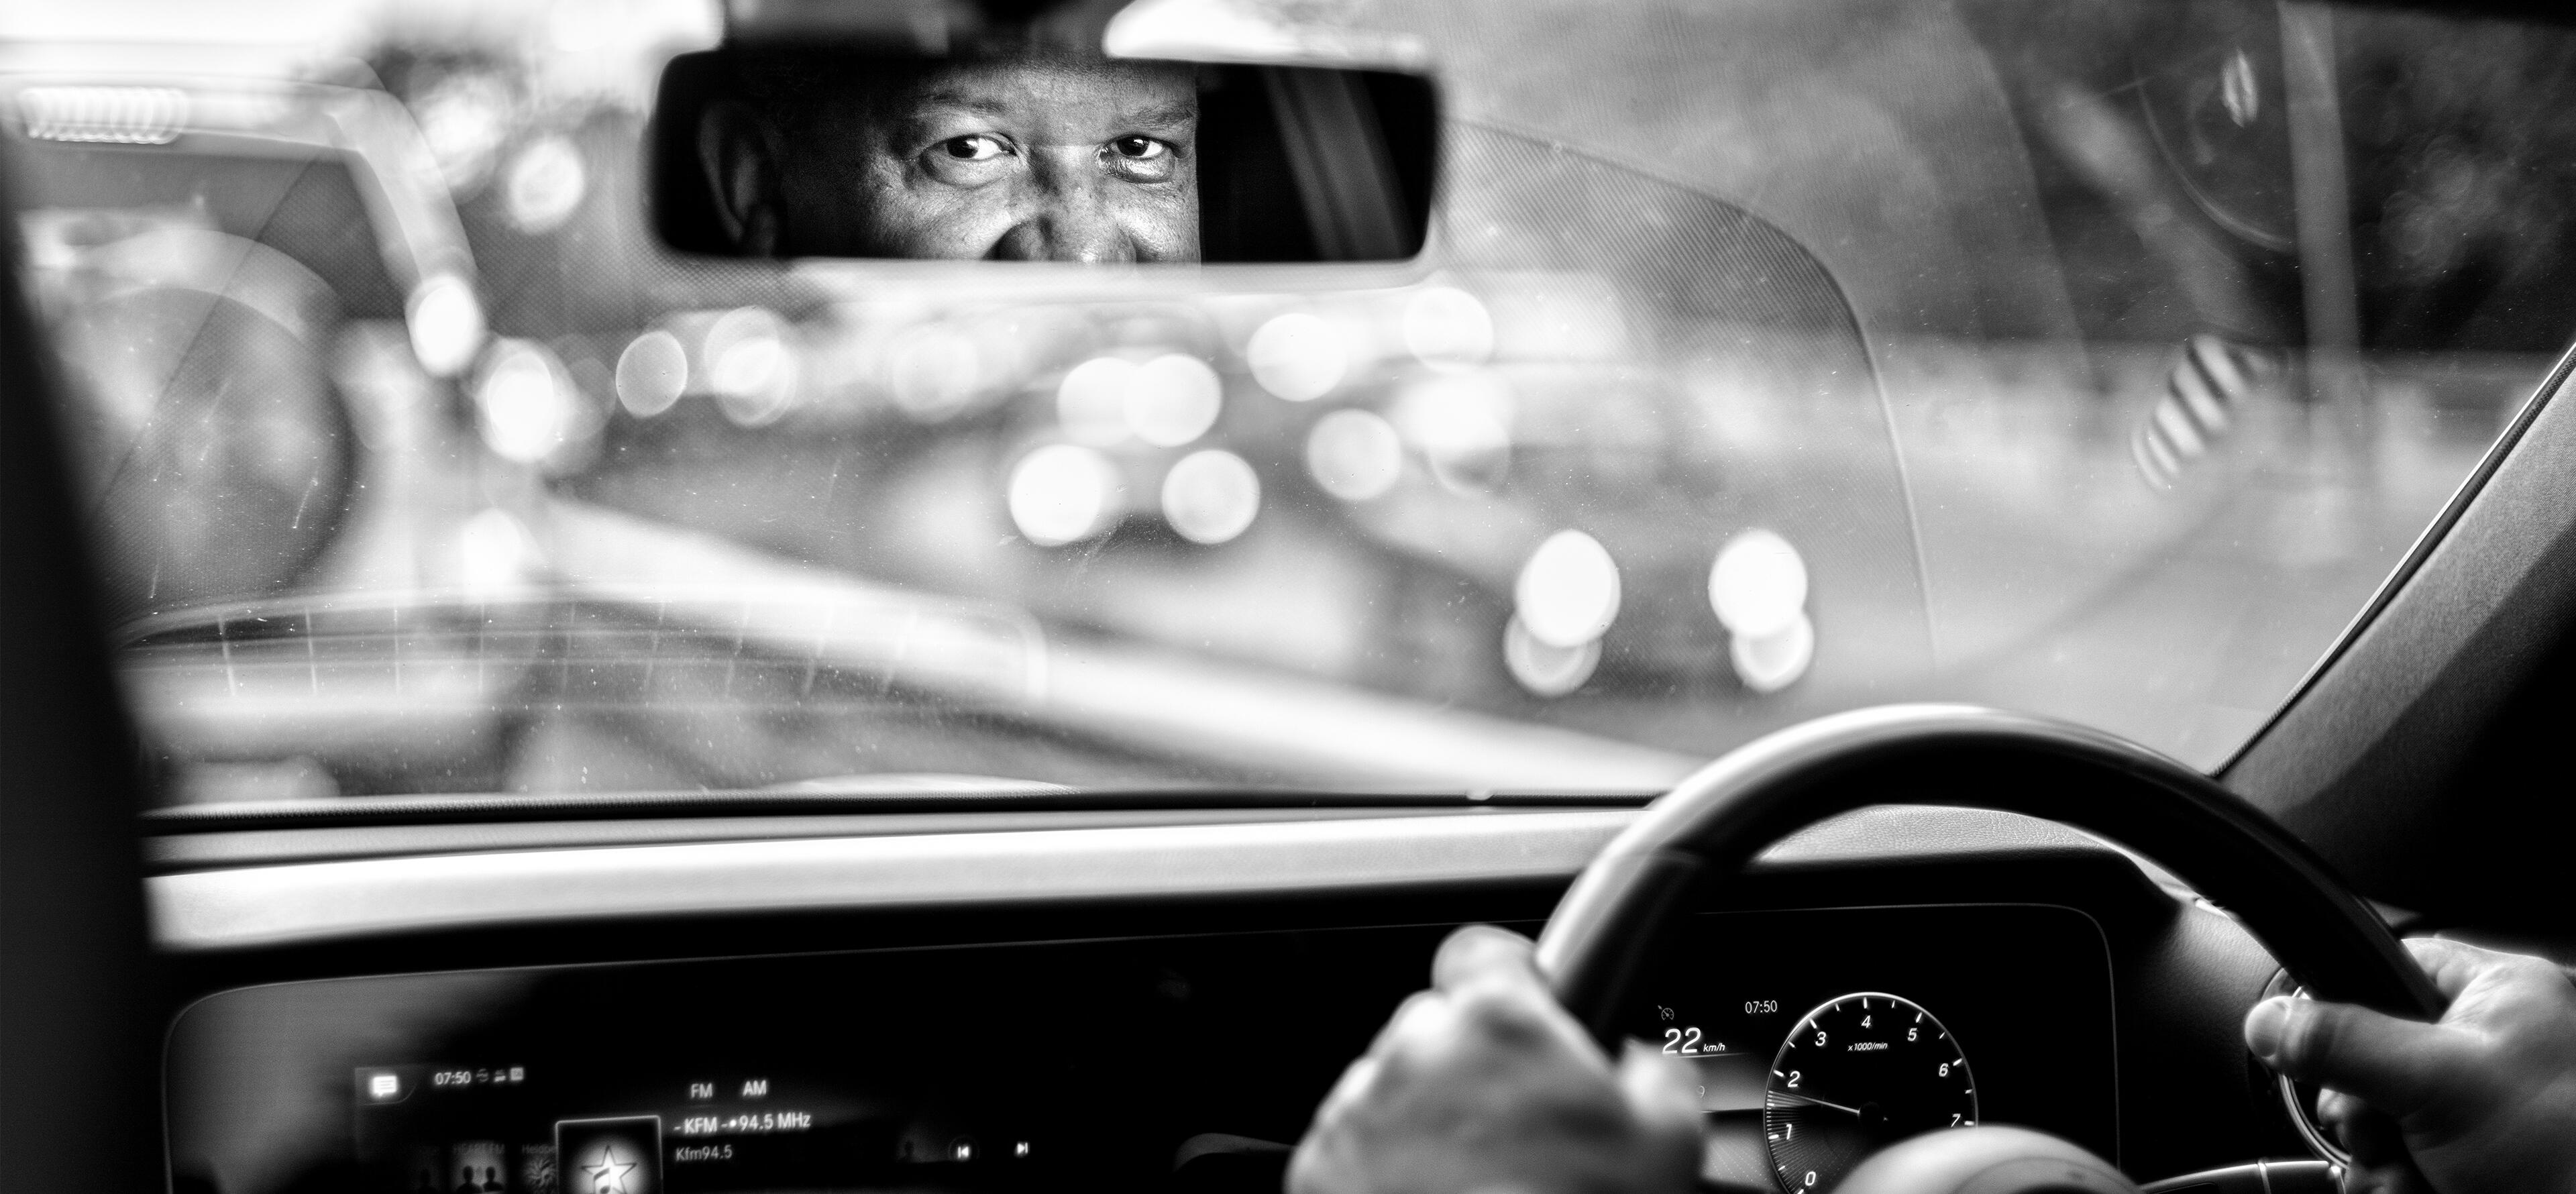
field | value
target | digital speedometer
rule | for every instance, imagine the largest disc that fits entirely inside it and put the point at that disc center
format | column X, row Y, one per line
column 1857, row 1074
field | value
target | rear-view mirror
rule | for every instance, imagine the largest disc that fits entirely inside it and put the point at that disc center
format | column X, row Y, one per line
column 776, row 149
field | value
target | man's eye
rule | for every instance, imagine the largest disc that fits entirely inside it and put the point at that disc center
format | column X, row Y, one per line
column 1141, row 149
column 973, row 148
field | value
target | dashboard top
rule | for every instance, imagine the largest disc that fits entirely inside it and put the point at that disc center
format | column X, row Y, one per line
column 311, row 890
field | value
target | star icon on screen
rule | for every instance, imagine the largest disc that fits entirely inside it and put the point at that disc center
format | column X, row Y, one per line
column 609, row 1175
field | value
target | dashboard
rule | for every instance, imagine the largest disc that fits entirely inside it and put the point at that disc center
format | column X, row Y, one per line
column 1095, row 1064
column 1902, row 970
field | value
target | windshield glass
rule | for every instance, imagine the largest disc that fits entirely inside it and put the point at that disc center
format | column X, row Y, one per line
column 1762, row 360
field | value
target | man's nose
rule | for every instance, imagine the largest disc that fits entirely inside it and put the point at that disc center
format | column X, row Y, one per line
column 1067, row 215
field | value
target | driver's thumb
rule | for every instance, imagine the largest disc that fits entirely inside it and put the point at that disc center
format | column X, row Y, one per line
column 1663, row 1093
column 2394, row 1065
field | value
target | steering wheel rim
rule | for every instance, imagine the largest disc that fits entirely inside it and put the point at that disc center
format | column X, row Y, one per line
column 1714, row 823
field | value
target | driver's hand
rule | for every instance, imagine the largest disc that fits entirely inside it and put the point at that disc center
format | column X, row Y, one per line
column 2484, row 1101
column 1483, row 1083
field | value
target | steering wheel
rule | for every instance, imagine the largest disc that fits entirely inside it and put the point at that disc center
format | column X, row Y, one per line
column 1711, row 826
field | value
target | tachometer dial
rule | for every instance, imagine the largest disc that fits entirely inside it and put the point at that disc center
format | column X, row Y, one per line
column 1856, row 1075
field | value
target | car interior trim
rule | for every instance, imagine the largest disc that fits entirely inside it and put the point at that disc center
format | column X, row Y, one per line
column 315, row 902
column 261, row 845
column 2422, row 549
column 2396, row 714
column 875, row 796
column 332, row 900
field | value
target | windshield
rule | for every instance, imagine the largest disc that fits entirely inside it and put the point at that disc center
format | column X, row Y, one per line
column 1762, row 360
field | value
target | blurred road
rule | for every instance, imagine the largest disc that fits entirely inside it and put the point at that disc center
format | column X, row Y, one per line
column 2060, row 581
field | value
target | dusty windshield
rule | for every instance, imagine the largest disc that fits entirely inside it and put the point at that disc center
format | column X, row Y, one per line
column 1760, row 360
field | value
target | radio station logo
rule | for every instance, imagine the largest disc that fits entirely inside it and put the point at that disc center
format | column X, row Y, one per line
column 609, row 1156
column 477, row 1166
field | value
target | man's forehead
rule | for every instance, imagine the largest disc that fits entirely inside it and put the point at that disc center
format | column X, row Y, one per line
column 1086, row 100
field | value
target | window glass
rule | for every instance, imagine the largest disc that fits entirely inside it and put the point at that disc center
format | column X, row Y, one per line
column 1763, row 360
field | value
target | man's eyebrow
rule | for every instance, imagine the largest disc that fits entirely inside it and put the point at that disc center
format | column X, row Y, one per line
column 949, row 97
column 1163, row 115
column 1156, row 116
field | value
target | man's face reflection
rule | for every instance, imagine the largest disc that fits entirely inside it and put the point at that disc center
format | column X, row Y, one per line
column 1035, row 162
column 1012, row 160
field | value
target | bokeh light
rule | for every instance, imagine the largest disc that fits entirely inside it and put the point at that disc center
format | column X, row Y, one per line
column 495, row 554
column 652, row 373
column 1568, row 591
column 1771, row 662
column 749, row 366
column 1545, row 669
column 1462, row 424
column 1355, row 454
column 446, row 324
column 579, row 28
column 1063, row 492
column 1758, row 585
column 934, row 371
column 1448, row 328
column 545, row 182
column 1297, row 356
column 1211, row 496
column 1091, row 401
column 463, row 120
column 524, row 403
column 1172, row 400
column 743, row 352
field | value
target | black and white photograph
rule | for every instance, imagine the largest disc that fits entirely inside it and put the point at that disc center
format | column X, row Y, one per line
column 1287, row 596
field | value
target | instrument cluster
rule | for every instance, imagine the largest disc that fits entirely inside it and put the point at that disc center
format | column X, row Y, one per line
column 1818, row 1037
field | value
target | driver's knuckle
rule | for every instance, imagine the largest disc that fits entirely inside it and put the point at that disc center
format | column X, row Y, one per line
column 2538, row 974
column 1319, row 1168
column 1429, row 1021
column 1498, row 1012
column 2311, row 1032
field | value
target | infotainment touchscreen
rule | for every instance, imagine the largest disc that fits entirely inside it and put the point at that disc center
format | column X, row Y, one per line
column 497, row 1129
column 504, row 1128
